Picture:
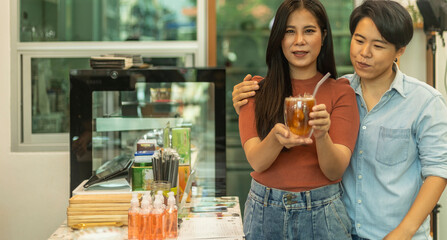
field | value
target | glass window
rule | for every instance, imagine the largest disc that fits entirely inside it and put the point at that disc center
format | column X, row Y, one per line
column 242, row 36
column 50, row 37
column 107, row 20
column 50, row 93
column 339, row 12
column 50, row 88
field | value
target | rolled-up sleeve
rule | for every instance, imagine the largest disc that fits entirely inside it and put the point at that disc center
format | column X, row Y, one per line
column 431, row 137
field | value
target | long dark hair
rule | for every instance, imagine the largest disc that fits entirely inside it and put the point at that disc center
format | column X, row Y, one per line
column 277, row 84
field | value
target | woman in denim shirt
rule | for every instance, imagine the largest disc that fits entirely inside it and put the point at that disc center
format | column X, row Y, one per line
column 398, row 169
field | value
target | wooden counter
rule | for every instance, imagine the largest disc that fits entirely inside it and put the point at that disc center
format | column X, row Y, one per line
column 224, row 225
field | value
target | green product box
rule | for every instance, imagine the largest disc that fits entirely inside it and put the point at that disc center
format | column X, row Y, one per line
column 181, row 142
column 142, row 176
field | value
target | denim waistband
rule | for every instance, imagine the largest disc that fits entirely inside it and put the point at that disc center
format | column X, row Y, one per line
column 295, row 200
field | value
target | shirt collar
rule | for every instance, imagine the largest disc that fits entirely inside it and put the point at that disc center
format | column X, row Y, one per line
column 397, row 84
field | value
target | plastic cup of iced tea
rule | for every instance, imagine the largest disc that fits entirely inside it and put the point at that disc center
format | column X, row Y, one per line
column 296, row 114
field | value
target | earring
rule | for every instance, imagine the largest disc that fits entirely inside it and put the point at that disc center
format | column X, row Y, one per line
column 395, row 60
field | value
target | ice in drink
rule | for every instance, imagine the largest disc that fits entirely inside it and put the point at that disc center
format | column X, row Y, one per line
column 296, row 114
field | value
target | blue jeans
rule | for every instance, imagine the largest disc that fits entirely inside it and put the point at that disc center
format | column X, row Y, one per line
column 276, row 214
column 355, row 237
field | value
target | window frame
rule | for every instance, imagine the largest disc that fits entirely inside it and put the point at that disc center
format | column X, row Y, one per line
column 22, row 138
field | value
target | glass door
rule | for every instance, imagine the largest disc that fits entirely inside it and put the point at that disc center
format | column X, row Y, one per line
column 112, row 110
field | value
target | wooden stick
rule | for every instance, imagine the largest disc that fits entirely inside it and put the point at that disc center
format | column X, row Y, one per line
column 101, row 198
column 75, row 213
column 100, row 205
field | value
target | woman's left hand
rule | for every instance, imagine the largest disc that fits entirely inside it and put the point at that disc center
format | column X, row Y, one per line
column 320, row 121
column 398, row 234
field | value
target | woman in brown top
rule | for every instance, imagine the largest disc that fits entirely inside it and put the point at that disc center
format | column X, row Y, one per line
column 295, row 192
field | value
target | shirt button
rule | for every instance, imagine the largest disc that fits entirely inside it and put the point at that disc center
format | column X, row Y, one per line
column 360, row 176
column 359, row 225
column 364, row 127
column 359, row 201
column 361, row 151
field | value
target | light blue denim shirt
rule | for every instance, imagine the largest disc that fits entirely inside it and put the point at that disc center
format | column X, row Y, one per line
column 401, row 141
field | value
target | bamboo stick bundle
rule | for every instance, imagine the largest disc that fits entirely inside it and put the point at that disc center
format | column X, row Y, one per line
column 98, row 209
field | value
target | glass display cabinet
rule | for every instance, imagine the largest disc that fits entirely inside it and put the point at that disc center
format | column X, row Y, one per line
column 110, row 110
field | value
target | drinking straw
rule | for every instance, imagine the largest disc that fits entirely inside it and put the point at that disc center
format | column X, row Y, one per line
column 154, row 167
column 175, row 173
column 320, row 82
column 163, row 165
column 170, row 165
column 168, row 170
column 159, row 166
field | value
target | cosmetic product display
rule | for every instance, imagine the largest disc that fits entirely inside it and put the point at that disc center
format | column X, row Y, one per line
column 153, row 221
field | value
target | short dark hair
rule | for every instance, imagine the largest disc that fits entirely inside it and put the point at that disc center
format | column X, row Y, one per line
column 391, row 19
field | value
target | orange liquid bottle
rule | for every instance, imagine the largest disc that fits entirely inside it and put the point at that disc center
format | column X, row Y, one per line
column 133, row 230
column 145, row 219
column 158, row 221
column 171, row 217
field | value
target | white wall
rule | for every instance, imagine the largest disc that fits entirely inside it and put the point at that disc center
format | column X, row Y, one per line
column 34, row 187
column 441, row 65
column 413, row 63
column 441, row 78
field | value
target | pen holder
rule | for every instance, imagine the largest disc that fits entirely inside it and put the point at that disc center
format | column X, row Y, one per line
column 163, row 186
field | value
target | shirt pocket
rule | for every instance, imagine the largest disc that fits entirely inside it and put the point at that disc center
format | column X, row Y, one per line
column 392, row 146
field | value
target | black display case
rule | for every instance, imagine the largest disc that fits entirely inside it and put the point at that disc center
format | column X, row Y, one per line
column 111, row 109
